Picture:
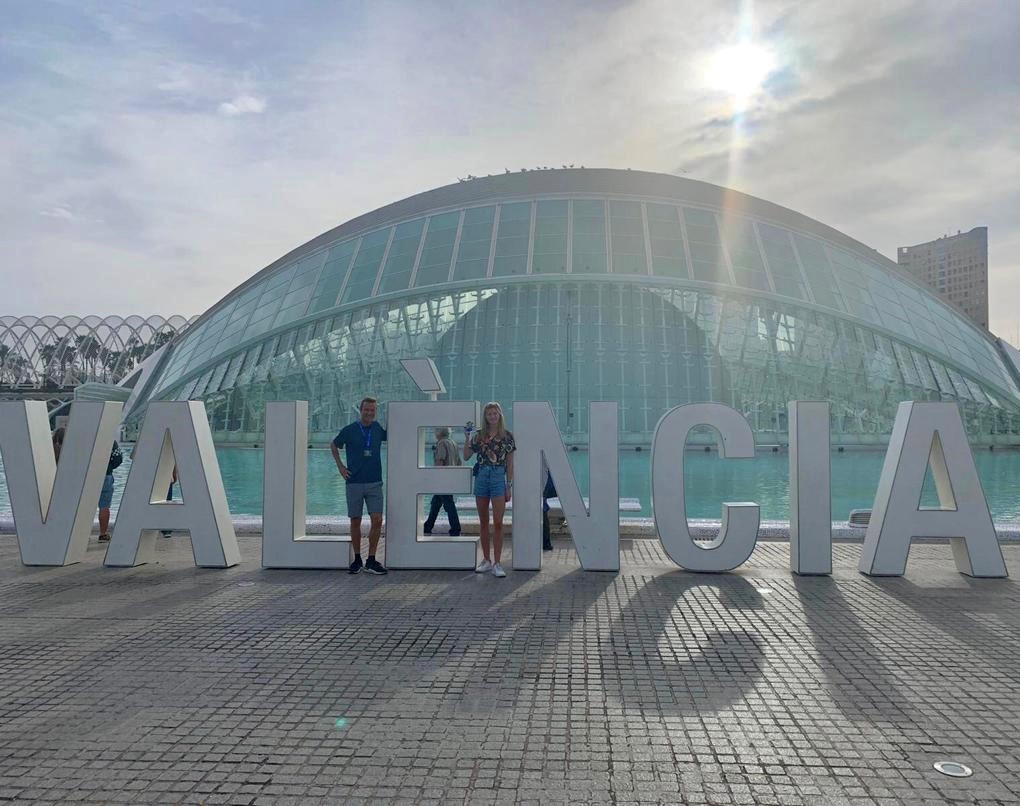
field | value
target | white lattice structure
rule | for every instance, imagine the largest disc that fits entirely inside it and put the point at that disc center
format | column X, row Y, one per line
column 46, row 352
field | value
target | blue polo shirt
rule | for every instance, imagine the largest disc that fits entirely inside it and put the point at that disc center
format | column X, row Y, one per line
column 360, row 440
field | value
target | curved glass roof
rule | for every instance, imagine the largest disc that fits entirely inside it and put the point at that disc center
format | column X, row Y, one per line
column 717, row 237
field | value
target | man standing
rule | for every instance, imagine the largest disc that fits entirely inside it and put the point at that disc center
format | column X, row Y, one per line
column 445, row 454
column 363, row 473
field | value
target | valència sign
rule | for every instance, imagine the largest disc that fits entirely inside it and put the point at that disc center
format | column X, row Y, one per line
column 53, row 503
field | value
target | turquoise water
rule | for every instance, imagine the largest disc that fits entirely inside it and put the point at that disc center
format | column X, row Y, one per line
column 710, row 480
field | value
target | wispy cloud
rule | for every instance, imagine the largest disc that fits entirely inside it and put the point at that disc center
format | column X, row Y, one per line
column 58, row 212
column 243, row 105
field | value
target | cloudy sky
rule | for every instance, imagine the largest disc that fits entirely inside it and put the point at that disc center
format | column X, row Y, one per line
column 154, row 155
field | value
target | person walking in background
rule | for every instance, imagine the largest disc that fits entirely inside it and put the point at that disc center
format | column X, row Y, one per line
column 58, row 442
column 444, row 454
column 363, row 474
column 494, row 480
column 548, row 491
column 170, row 497
column 106, row 495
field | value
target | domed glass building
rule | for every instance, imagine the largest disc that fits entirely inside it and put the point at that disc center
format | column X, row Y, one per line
column 582, row 285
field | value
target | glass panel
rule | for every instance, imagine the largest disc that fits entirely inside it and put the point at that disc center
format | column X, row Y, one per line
column 203, row 382
column 436, row 254
column 246, row 303
column 668, row 257
column 338, row 260
column 187, row 390
column 819, row 273
column 512, row 239
column 550, row 237
column 854, row 284
column 366, row 266
column 628, row 238
column 207, row 344
column 589, row 246
column 400, row 260
column 307, row 270
column 745, row 257
column 782, row 261
column 217, row 377
column 475, row 242
column 708, row 261
column 289, row 314
column 232, row 371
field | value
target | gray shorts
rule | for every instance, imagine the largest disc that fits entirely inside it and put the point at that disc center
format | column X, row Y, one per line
column 362, row 496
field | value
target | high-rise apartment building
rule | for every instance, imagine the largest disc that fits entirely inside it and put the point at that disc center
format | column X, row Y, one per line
column 956, row 268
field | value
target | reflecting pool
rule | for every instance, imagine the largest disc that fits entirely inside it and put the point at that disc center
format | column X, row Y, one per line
column 710, row 481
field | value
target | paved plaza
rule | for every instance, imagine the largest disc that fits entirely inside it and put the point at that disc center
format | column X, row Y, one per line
column 171, row 684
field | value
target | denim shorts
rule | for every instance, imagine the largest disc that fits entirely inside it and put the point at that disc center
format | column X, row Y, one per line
column 490, row 481
column 364, row 496
column 106, row 496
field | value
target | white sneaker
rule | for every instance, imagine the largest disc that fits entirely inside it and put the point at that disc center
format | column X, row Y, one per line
column 497, row 571
column 483, row 566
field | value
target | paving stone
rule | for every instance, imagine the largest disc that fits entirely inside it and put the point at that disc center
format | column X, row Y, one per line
column 171, row 684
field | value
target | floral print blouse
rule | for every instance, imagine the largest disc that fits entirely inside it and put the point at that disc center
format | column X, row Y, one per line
column 493, row 450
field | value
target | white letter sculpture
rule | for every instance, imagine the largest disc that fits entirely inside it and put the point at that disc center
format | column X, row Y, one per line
column 595, row 529
column 176, row 431
column 285, row 492
column 923, row 433
column 739, row 531
column 810, row 488
column 406, row 478
column 53, row 503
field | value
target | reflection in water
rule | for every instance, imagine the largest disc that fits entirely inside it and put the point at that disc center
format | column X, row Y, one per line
column 710, row 481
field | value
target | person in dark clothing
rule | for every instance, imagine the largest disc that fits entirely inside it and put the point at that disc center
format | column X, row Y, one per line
column 58, row 442
column 170, row 497
column 363, row 475
column 444, row 454
column 548, row 491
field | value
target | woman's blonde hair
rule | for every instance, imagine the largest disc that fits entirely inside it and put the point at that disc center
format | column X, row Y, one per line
column 500, row 426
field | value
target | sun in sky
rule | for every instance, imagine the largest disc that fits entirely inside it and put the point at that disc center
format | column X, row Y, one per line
column 740, row 71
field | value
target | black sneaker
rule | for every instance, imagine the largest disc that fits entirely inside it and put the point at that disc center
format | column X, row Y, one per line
column 373, row 566
column 355, row 567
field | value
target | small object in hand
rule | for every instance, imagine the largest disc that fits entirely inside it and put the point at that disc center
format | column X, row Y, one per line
column 469, row 426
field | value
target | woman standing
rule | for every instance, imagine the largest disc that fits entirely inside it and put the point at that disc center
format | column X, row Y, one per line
column 494, row 481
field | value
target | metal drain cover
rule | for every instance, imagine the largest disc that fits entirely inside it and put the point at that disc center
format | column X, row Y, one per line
column 953, row 769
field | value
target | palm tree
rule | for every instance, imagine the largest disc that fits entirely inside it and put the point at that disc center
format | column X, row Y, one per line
column 66, row 355
column 15, row 368
column 9, row 365
column 47, row 355
column 116, row 364
column 89, row 351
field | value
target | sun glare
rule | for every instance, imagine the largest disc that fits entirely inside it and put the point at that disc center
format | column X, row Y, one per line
column 740, row 70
